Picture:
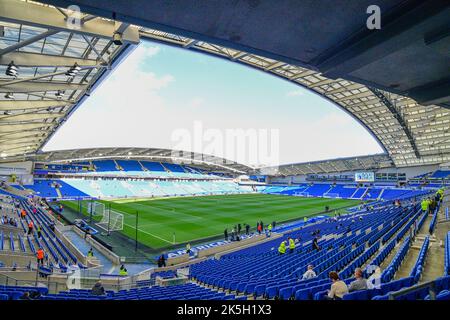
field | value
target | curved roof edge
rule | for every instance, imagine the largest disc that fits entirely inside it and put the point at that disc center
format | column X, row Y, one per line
column 153, row 154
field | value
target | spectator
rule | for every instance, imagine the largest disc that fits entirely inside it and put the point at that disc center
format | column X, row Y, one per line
column 239, row 227
column 360, row 283
column 269, row 228
column 90, row 253
column 188, row 248
column 25, row 296
column 282, row 248
column 30, row 227
column 259, row 228
column 291, row 245
column 39, row 234
column 315, row 244
column 35, row 295
column 97, row 289
column 161, row 261
column 40, row 256
column 338, row 287
column 309, row 274
column 247, row 229
column 225, row 233
column 123, row 271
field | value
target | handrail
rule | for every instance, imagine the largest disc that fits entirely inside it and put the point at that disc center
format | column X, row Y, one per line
column 430, row 284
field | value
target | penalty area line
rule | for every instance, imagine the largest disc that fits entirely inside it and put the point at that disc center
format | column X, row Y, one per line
column 150, row 234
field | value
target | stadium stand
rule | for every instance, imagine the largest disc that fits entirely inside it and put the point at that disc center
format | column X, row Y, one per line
column 346, row 242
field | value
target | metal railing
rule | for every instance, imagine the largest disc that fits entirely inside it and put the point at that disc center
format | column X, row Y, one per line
column 430, row 285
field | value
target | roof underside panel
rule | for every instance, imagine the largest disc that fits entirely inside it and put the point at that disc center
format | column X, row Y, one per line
column 36, row 39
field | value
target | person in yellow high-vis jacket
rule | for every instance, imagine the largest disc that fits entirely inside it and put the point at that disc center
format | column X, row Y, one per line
column 424, row 204
column 123, row 271
column 291, row 245
column 282, row 248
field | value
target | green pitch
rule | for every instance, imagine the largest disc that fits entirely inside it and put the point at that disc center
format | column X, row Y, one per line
column 192, row 218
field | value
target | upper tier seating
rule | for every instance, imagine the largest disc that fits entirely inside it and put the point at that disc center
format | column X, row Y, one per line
column 440, row 174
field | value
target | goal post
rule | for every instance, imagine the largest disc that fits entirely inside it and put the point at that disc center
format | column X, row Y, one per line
column 331, row 195
column 94, row 208
column 111, row 221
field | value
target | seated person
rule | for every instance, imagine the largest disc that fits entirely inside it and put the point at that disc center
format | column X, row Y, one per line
column 25, row 296
column 309, row 274
column 360, row 283
column 97, row 289
column 338, row 287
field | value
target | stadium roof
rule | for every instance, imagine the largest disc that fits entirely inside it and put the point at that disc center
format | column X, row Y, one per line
column 410, row 133
column 39, row 41
column 150, row 154
column 364, row 163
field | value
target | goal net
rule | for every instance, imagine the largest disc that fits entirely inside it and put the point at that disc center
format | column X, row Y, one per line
column 111, row 221
column 96, row 208
column 331, row 195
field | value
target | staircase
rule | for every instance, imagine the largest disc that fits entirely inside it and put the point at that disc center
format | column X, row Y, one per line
column 435, row 265
column 380, row 196
column 351, row 197
column 167, row 170
column 365, row 193
column 58, row 192
column 142, row 166
column 434, row 260
column 17, row 192
column 118, row 167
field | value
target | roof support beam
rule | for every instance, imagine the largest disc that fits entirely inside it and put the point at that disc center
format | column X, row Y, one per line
column 92, row 46
column 30, row 117
column 46, row 17
column 399, row 118
column 26, row 59
column 42, row 76
column 275, row 66
column 35, row 86
column 17, row 127
column 32, row 104
column 26, row 42
column 190, row 43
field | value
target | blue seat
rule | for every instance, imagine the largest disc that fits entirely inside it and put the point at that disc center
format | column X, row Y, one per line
column 357, row 295
column 271, row 292
column 321, row 295
column 302, row 294
column 285, row 293
column 443, row 295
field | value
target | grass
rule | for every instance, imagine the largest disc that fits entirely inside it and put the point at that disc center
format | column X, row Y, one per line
column 192, row 218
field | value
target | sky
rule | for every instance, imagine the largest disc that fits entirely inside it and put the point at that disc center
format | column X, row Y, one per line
column 167, row 97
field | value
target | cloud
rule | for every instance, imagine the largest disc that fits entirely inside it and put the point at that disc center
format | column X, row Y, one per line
column 119, row 109
column 137, row 107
